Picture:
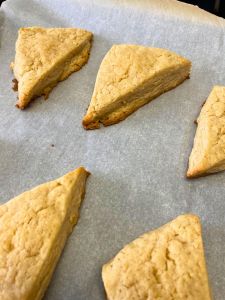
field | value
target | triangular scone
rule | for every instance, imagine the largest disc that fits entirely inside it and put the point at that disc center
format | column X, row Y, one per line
column 34, row 227
column 129, row 77
column 45, row 56
column 167, row 263
column 208, row 154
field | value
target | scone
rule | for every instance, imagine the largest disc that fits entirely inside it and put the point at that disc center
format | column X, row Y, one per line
column 45, row 56
column 34, row 227
column 167, row 264
column 208, row 155
column 129, row 77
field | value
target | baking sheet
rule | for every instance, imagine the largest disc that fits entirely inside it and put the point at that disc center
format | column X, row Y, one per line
column 138, row 165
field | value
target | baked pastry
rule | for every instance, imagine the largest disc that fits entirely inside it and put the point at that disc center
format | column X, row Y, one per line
column 207, row 155
column 34, row 227
column 167, row 263
column 129, row 77
column 45, row 56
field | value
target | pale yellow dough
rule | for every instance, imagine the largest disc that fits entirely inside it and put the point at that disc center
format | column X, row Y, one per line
column 129, row 77
column 167, row 264
column 208, row 153
column 45, row 56
column 34, row 227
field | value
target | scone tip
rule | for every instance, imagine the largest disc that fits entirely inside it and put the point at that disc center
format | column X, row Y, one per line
column 89, row 124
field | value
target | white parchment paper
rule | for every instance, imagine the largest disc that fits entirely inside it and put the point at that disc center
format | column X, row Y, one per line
column 138, row 166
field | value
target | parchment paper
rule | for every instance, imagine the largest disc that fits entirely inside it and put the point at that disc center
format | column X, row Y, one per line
column 138, row 166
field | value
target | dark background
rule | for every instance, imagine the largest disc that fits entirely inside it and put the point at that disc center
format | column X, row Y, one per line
column 216, row 7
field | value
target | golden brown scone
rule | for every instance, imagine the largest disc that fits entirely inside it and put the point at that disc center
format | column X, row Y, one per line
column 167, row 264
column 34, row 227
column 208, row 155
column 129, row 77
column 45, row 56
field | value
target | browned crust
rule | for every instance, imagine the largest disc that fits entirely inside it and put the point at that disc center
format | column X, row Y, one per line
column 15, row 85
column 90, row 121
column 204, row 102
column 197, row 174
column 22, row 107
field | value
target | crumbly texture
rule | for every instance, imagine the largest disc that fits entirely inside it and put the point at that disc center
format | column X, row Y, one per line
column 129, row 77
column 34, row 227
column 165, row 264
column 208, row 155
column 45, row 56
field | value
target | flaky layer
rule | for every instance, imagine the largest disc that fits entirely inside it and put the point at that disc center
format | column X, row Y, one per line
column 131, row 73
column 58, row 73
column 125, row 106
column 46, row 56
column 207, row 155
